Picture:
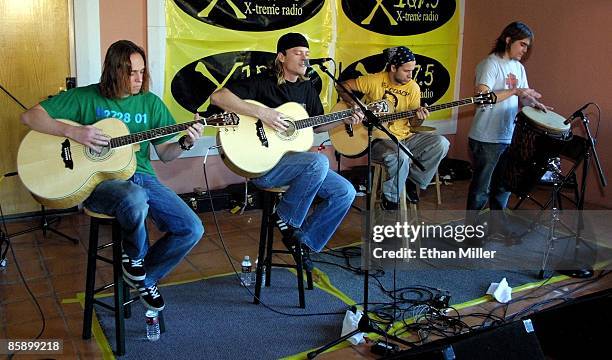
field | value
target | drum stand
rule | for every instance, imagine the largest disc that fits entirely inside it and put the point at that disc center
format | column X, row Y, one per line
column 554, row 202
column 583, row 156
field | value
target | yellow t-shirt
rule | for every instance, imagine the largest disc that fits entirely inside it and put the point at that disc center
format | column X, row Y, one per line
column 403, row 97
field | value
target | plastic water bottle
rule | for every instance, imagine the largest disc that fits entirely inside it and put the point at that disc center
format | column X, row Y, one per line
column 153, row 332
column 245, row 273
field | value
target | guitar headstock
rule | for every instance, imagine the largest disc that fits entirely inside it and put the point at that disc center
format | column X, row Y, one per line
column 488, row 98
column 380, row 106
column 223, row 119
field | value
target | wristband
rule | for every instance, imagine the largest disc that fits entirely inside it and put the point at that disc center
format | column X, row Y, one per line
column 181, row 142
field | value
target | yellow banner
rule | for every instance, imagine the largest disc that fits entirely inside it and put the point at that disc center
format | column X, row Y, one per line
column 211, row 42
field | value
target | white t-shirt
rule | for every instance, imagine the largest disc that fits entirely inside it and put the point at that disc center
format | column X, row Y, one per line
column 496, row 124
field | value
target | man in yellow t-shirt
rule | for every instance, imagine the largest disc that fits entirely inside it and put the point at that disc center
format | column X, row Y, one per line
column 396, row 85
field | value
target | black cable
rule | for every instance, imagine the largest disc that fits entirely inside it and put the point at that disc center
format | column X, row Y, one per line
column 583, row 283
column 402, row 300
column 25, row 283
column 12, row 97
column 598, row 120
column 565, row 298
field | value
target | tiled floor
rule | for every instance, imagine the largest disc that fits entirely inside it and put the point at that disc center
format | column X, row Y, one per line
column 55, row 270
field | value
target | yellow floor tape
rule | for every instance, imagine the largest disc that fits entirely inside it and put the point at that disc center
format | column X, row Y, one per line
column 322, row 281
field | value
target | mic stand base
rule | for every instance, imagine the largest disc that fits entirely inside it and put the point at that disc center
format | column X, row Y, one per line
column 580, row 273
column 364, row 326
column 45, row 226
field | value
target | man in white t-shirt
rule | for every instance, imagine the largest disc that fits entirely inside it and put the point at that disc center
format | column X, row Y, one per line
column 491, row 131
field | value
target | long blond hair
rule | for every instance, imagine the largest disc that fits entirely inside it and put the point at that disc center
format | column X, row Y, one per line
column 279, row 72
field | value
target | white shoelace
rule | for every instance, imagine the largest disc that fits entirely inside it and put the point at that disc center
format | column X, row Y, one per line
column 153, row 291
column 137, row 263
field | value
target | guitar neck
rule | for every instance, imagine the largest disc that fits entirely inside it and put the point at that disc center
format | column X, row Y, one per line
column 151, row 134
column 432, row 108
column 323, row 119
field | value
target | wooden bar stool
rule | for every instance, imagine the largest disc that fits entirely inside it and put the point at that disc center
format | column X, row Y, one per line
column 270, row 198
column 378, row 178
column 437, row 184
column 121, row 291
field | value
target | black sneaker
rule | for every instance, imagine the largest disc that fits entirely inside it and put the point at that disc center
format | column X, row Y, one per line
column 412, row 194
column 151, row 298
column 388, row 205
column 294, row 243
column 133, row 269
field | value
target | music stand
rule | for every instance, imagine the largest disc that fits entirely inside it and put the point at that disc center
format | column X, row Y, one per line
column 370, row 121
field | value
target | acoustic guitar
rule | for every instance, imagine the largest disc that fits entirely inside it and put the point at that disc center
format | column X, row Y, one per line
column 354, row 142
column 61, row 173
column 253, row 148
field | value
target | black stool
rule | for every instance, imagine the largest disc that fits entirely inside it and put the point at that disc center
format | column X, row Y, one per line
column 266, row 248
column 122, row 299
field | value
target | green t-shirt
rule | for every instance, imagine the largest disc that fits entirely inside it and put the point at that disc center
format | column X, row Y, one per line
column 140, row 112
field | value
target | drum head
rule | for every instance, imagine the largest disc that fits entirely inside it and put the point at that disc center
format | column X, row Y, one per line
column 549, row 120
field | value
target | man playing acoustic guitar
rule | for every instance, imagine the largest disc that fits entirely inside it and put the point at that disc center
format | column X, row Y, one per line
column 307, row 174
column 397, row 86
column 123, row 93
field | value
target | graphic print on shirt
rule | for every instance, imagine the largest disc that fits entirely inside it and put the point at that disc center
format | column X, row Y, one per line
column 511, row 81
column 391, row 97
column 138, row 118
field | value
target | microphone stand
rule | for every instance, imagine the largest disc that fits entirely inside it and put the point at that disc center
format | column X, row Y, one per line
column 365, row 325
column 584, row 270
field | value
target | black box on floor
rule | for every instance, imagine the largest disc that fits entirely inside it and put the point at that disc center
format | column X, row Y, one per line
column 357, row 175
column 200, row 202
column 237, row 196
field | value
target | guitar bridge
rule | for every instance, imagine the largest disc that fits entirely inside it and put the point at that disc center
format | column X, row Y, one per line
column 66, row 155
column 261, row 133
column 349, row 129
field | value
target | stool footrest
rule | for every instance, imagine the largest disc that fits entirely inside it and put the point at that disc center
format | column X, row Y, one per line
column 104, row 246
column 104, row 287
column 111, row 307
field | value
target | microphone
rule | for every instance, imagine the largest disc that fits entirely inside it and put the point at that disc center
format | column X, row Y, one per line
column 317, row 61
column 576, row 114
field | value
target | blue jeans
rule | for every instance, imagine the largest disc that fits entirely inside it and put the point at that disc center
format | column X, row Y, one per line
column 130, row 202
column 308, row 175
column 429, row 149
column 485, row 185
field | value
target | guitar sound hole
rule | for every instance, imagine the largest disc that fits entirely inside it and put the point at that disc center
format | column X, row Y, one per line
column 289, row 133
column 104, row 153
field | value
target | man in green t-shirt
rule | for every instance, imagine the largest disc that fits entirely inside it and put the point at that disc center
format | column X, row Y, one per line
column 123, row 93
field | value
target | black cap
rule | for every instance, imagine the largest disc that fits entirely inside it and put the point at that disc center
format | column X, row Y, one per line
column 291, row 40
